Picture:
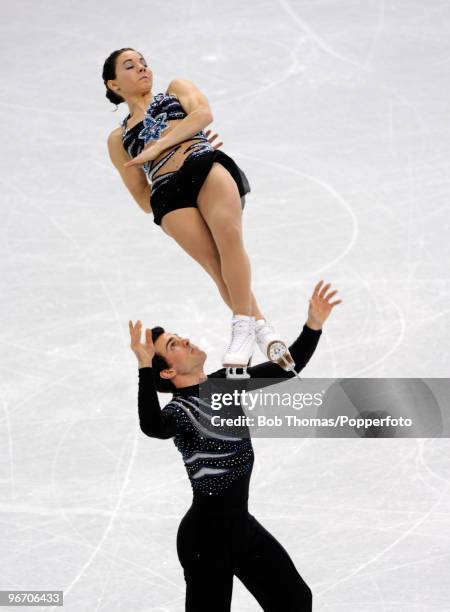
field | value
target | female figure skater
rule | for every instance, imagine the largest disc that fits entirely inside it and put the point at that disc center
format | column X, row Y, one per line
column 194, row 191
column 218, row 538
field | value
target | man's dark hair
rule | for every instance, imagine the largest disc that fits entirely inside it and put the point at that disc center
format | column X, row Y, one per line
column 164, row 385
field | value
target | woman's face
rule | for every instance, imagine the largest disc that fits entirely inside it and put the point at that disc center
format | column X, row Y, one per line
column 133, row 76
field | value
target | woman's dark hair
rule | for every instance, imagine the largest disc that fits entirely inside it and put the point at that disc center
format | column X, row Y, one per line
column 109, row 73
column 164, row 385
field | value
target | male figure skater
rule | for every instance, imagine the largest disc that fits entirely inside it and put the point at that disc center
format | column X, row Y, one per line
column 218, row 538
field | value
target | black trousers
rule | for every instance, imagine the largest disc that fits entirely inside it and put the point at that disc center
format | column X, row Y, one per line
column 213, row 549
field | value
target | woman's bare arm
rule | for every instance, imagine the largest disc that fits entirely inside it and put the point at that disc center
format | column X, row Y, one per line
column 196, row 105
column 134, row 178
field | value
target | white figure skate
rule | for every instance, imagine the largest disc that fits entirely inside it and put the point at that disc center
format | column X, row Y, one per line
column 239, row 352
column 273, row 347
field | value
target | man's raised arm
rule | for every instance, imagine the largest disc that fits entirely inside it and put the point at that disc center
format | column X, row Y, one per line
column 320, row 307
column 153, row 421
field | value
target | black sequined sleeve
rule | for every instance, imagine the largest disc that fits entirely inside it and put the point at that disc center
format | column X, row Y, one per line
column 153, row 421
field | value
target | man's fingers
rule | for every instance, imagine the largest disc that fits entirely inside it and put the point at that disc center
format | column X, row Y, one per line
column 135, row 330
column 207, row 133
column 336, row 302
column 219, row 144
column 330, row 295
column 324, row 290
column 316, row 288
column 213, row 137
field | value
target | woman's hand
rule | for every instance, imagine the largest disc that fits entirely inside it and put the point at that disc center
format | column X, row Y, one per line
column 143, row 351
column 320, row 306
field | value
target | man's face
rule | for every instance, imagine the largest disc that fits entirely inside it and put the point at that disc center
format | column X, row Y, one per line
column 182, row 356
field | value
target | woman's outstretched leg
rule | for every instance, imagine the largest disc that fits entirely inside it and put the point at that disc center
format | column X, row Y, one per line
column 220, row 205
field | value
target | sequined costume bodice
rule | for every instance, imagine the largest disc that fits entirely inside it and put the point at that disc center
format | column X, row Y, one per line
column 163, row 109
column 218, row 462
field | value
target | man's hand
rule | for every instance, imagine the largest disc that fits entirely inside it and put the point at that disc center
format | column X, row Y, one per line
column 212, row 138
column 143, row 351
column 320, row 306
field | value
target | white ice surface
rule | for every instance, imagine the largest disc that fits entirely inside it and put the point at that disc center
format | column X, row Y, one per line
column 338, row 111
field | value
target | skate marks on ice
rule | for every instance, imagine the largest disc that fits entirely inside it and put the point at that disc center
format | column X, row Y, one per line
column 355, row 117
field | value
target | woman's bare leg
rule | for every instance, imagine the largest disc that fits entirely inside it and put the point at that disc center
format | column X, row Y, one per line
column 220, row 205
column 188, row 228
column 255, row 309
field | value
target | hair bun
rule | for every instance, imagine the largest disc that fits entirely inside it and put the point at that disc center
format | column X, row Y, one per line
column 113, row 97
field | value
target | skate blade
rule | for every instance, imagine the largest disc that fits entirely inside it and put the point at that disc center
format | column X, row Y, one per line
column 233, row 374
column 231, row 370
